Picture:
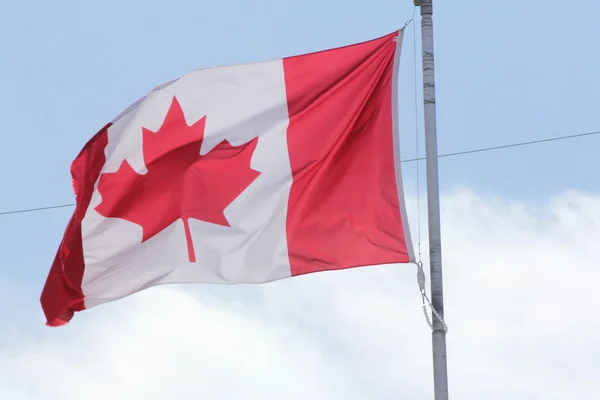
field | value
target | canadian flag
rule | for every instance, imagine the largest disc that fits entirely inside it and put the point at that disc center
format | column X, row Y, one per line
column 239, row 174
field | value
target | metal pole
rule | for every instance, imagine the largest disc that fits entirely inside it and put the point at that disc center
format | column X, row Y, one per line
column 440, row 369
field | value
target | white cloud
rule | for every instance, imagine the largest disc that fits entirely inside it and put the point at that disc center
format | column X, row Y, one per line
column 524, row 322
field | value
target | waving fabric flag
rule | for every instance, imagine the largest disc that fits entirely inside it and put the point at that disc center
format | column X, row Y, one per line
column 239, row 174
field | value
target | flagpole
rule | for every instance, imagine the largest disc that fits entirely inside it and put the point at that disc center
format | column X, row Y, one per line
column 440, row 369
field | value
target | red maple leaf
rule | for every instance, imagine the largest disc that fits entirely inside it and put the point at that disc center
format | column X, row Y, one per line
column 179, row 183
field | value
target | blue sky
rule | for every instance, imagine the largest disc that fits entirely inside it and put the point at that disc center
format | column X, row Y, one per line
column 507, row 71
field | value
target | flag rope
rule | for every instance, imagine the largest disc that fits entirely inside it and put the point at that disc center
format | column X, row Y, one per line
column 420, row 272
column 425, row 299
column 417, row 134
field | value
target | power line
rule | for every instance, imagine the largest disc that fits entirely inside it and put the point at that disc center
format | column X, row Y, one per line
column 458, row 153
column 507, row 146
column 28, row 210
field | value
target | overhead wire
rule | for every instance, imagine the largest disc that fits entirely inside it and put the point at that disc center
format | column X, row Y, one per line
column 409, row 160
column 506, row 146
